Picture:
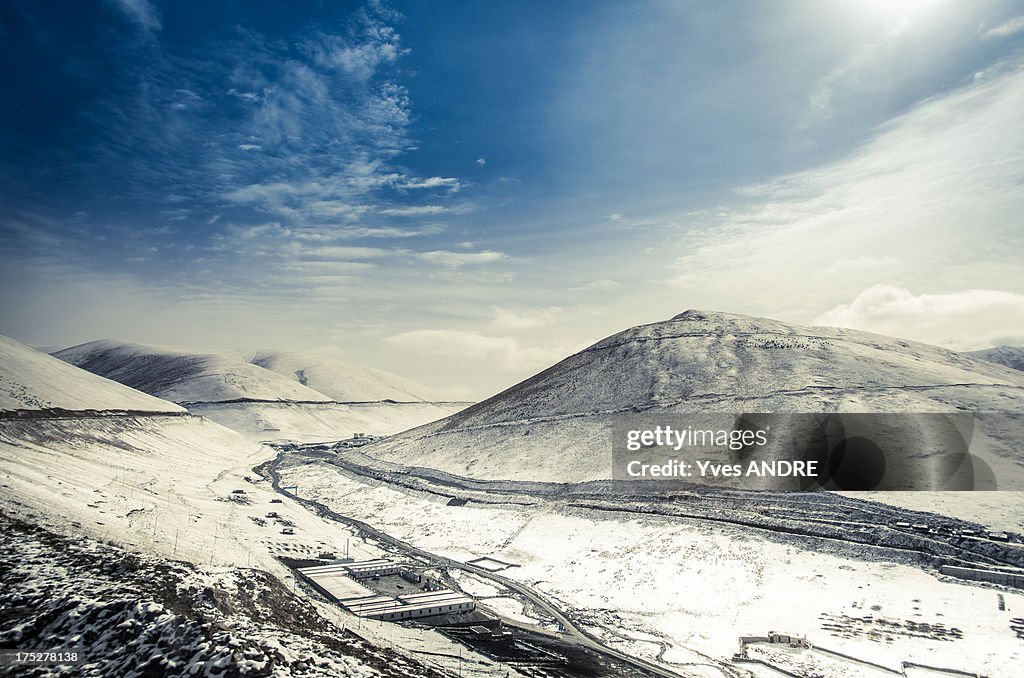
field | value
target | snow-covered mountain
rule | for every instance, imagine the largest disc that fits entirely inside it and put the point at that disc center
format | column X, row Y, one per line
column 190, row 376
column 555, row 425
column 343, row 381
column 32, row 380
column 1010, row 356
column 272, row 395
column 185, row 376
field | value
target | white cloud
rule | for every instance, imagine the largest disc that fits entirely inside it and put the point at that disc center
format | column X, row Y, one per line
column 860, row 263
column 451, row 183
column 328, row 234
column 300, row 201
column 481, row 161
column 330, row 120
column 458, row 259
column 931, row 202
column 270, row 192
column 412, row 211
column 361, row 55
column 840, row 77
column 502, row 353
column 142, row 12
column 602, row 285
column 259, row 231
column 322, row 269
column 245, row 96
column 1007, row 28
column 964, row 320
column 861, row 82
column 337, row 209
column 511, row 321
column 338, row 252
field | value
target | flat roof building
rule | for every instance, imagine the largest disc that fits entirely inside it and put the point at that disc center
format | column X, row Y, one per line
column 335, row 582
column 373, row 568
column 341, row 583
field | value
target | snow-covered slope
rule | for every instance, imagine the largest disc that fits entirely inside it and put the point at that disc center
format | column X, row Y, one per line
column 142, row 615
column 31, row 380
column 343, row 381
column 1010, row 356
column 555, row 425
column 320, row 422
column 185, row 376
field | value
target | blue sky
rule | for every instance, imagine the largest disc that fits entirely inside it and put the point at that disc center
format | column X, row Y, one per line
column 467, row 192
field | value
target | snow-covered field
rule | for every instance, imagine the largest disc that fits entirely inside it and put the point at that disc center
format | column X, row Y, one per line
column 162, row 485
column 1000, row 511
column 316, row 422
column 697, row 588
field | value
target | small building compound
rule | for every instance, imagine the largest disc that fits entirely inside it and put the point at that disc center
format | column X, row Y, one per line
column 349, row 585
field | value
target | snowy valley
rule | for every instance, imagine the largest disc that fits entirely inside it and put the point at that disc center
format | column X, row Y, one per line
column 190, row 522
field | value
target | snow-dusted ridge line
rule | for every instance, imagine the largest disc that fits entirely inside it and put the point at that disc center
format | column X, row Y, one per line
column 328, row 371
column 387, row 401
column 181, row 375
column 33, row 380
column 791, row 331
column 552, row 424
column 58, row 413
column 200, row 376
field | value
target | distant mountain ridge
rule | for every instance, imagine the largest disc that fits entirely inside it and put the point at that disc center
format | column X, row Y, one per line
column 343, row 381
column 1009, row 356
column 194, row 376
column 184, row 376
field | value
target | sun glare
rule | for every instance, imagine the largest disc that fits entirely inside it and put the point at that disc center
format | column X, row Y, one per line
column 897, row 8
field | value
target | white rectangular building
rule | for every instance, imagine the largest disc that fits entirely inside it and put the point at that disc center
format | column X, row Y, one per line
column 341, row 582
column 372, row 568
